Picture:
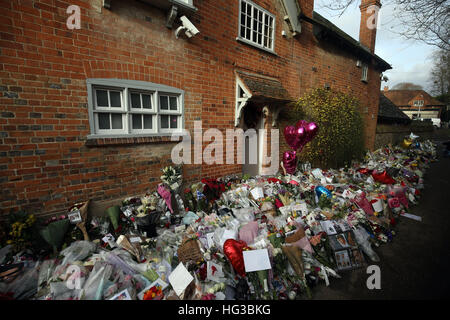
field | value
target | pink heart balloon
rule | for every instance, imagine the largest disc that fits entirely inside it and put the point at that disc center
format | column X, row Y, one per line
column 290, row 161
column 300, row 140
column 289, row 135
column 295, row 137
column 301, row 123
column 311, row 131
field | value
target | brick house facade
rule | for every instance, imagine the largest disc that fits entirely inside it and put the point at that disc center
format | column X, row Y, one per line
column 415, row 103
column 50, row 157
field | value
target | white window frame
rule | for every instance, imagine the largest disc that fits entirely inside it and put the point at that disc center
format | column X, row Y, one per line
column 270, row 49
column 143, row 111
column 168, row 112
column 126, row 88
column 419, row 103
column 365, row 73
column 109, row 110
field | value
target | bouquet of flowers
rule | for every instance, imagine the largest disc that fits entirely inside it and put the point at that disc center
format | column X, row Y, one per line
column 147, row 222
column 79, row 214
column 324, row 201
column 322, row 249
column 213, row 189
column 133, row 248
column 294, row 256
column 190, row 200
column 166, row 194
column 276, row 239
column 280, row 261
column 154, row 293
column 114, row 215
column 20, row 234
column 172, row 177
column 283, row 282
column 260, row 284
column 55, row 231
column 133, row 201
column 202, row 202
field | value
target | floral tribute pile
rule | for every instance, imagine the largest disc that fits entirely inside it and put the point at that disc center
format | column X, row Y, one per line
column 234, row 238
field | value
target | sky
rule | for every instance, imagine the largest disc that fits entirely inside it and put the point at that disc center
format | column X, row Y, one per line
column 411, row 60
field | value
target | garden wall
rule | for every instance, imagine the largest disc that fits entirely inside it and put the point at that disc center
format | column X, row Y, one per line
column 394, row 134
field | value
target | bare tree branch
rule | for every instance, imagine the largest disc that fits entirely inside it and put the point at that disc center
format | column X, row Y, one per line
column 424, row 20
column 440, row 73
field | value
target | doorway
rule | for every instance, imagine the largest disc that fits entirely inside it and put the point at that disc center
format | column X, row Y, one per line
column 252, row 119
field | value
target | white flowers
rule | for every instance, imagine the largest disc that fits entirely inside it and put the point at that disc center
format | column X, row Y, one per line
column 277, row 251
column 171, row 176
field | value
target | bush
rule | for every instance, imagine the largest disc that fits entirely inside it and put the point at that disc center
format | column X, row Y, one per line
column 340, row 138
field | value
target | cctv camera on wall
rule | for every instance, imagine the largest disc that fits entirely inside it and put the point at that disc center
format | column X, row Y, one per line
column 190, row 29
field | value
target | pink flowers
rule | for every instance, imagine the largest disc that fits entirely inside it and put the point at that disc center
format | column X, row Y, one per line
column 54, row 218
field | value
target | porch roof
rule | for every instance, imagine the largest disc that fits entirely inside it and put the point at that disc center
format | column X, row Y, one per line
column 264, row 89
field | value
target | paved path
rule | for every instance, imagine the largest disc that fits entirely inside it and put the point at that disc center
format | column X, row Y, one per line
column 416, row 265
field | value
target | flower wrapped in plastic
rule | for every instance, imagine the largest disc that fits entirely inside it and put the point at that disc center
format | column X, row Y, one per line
column 260, row 283
column 315, row 269
column 147, row 222
column 55, row 232
column 150, row 200
column 114, row 215
column 172, row 177
column 165, row 193
column 154, row 293
column 132, row 247
column 80, row 212
column 95, row 284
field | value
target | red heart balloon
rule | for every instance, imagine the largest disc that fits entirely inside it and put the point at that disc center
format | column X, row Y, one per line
column 382, row 177
column 233, row 250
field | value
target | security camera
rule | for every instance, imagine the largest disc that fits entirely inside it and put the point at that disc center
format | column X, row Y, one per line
column 191, row 30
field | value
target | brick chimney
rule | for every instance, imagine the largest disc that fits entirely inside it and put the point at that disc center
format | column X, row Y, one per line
column 368, row 28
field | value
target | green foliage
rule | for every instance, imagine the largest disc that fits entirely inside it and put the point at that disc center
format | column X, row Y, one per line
column 340, row 138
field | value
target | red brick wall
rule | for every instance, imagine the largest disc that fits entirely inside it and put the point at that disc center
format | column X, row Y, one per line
column 367, row 36
column 45, row 160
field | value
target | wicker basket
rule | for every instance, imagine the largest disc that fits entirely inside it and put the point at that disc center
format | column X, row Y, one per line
column 189, row 251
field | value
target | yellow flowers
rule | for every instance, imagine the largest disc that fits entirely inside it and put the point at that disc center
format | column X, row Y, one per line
column 19, row 232
column 30, row 220
column 340, row 138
